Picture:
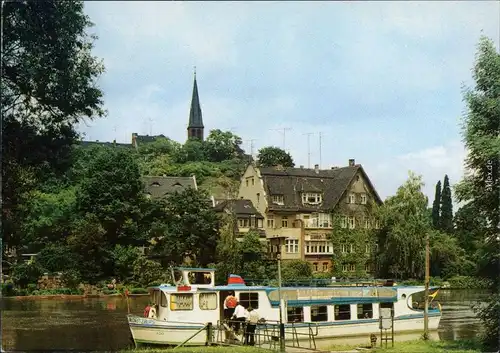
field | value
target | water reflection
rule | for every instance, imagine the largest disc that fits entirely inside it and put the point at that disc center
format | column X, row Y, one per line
column 100, row 324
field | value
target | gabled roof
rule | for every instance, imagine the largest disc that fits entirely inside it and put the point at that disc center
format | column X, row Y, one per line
column 162, row 186
column 292, row 182
column 101, row 143
column 242, row 208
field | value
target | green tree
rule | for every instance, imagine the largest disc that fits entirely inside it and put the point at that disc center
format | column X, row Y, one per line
column 48, row 84
column 296, row 271
column 436, row 206
column 228, row 256
column 446, row 219
column 273, row 156
column 222, row 145
column 191, row 227
column 470, row 227
column 482, row 184
column 447, row 258
column 405, row 226
column 255, row 264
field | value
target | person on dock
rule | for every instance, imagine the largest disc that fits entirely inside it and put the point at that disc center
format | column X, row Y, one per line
column 253, row 319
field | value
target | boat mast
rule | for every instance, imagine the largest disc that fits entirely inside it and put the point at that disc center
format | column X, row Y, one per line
column 426, row 309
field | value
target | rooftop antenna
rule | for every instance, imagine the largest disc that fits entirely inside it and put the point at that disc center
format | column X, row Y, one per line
column 150, row 126
column 251, row 145
column 308, row 134
column 283, row 130
column 320, row 135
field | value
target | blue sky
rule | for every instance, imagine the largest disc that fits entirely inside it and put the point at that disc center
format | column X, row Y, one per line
column 382, row 81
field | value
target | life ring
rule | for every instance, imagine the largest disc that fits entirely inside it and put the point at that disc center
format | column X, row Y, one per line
column 152, row 313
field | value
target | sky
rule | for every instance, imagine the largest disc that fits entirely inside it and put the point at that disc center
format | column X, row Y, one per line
column 382, row 81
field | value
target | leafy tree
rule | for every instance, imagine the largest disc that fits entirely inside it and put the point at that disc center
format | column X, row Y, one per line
column 470, row 227
column 482, row 184
column 446, row 219
column 405, row 226
column 192, row 228
column 228, row 256
column 192, row 151
column 436, row 206
column 57, row 257
column 273, row 156
column 447, row 258
column 147, row 272
column 123, row 259
column 222, row 145
column 112, row 190
column 48, row 83
column 296, row 270
column 25, row 273
column 255, row 264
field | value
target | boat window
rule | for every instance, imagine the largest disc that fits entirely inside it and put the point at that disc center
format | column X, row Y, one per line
column 154, row 297
column 342, row 312
column 181, row 301
column 319, row 313
column 177, row 277
column 365, row 311
column 163, row 300
column 295, row 314
column 249, row 299
column 208, row 301
column 200, row 277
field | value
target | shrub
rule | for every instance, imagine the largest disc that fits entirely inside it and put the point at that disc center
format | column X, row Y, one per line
column 8, row 289
column 26, row 273
column 139, row 291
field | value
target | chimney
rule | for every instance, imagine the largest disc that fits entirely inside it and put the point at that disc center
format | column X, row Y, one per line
column 352, row 162
column 316, row 168
column 334, row 167
column 301, row 167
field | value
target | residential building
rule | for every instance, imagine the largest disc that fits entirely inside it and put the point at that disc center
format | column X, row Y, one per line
column 163, row 186
column 297, row 203
column 246, row 215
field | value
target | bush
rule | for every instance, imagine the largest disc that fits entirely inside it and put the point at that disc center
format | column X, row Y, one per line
column 147, row 271
column 31, row 287
column 71, row 278
column 139, row 291
column 8, row 289
column 467, row 282
column 26, row 273
column 110, row 291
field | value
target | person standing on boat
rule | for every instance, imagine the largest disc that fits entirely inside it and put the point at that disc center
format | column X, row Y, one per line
column 253, row 319
column 239, row 316
column 229, row 304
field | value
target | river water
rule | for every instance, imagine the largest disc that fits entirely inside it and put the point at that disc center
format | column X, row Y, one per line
column 101, row 325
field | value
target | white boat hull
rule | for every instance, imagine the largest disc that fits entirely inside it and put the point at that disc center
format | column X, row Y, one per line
column 151, row 331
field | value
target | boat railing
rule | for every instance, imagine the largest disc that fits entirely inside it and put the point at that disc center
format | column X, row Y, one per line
column 323, row 282
column 267, row 333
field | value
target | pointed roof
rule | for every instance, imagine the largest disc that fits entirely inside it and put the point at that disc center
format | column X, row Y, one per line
column 195, row 119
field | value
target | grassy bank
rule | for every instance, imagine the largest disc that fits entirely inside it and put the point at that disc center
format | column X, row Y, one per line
column 420, row 346
column 455, row 282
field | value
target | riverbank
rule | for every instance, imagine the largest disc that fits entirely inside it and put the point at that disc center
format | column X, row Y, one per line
column 72, row 296
column 455, row 282
column 417, row 346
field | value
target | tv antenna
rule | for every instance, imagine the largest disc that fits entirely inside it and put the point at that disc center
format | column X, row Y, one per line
column 320, row 135
column 308, row 134
column 251, row 141
column 283, row 131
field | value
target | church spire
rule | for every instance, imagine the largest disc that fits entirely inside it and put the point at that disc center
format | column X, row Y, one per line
column 195, row 126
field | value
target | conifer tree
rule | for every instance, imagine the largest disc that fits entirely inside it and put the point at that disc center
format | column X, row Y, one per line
column 446, row 219
column 436, row 206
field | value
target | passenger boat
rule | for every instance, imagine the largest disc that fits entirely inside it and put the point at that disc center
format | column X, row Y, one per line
column 191, row 310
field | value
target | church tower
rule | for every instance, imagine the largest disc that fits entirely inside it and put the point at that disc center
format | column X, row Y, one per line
column 195, row 126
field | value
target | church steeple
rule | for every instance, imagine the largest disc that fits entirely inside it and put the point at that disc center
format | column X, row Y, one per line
column 195, row 126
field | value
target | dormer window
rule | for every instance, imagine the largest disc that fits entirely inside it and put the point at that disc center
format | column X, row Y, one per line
column 311, row 198
column 278, row 199
column 352, row 198
column 156, row 184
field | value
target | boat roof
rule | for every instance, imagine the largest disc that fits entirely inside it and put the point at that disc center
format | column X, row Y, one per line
column 194, row 269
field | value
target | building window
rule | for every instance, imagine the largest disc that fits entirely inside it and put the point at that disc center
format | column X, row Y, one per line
column 351, row 248
column 295, row 314
column 258, row 197
column 345, row 268
column 325, row 266
column 284, row 222
column 367, row 223
column 246, row 182
column 367, row 248
column 320, row 220
column 363, row 199
column 208, row 301
column 367, row 267
column 260, row 223
column 249, row 299
column 253, row 181
column 292, row 246
column 352, row 222
column 278, row 199
column 311, row 198
column 270, row 221
column 352, row 198
column 377, row 224
column 315, row 266
column 352, row 268
column 344, row 248
column 318, row 247
column 365, row 311
column 243, row 222
column 342, row 312
column 319, row 313
column 343, row 222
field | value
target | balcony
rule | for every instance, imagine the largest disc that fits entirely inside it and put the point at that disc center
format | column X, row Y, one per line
column 284, row 232
column 316, row 223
